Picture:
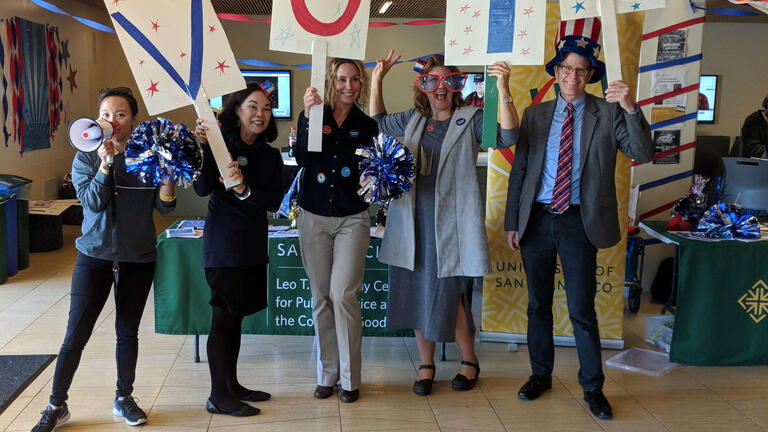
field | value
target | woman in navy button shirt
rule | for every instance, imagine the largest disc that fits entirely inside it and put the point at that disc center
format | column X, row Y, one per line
column 235, row 242
column 334, row 225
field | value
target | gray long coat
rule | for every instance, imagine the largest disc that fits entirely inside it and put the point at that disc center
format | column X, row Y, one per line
column 606, row 128
column 462, row 246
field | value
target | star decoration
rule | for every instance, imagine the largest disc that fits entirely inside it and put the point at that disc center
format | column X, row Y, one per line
column 560, row 44
column 65, row 50
column 155, row 25
column 468, row 30
column 355, row 37
column 523, row 33
column 464, row 8
column 183, row 54
column 528, row 11
column 596, row 51
column 141, row 62
column 71, row 79
column 221, row 66
column 636, row 6
column 115, row 2
column 211, row 28
column 152, row 88
column 467, row 50
column 579, row 6
column 284, row 35
column 525, row 51
column 452, row 42
column 582, row 43
column 476, row 14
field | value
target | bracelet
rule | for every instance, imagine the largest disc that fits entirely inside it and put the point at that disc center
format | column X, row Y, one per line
column 505, row 100
column 245, row 194
column 105, row 171
column 166, row 198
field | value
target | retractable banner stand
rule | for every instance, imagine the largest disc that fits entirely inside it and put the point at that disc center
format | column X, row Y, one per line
column 322, row 28
column 505, row 295
column 179, row 55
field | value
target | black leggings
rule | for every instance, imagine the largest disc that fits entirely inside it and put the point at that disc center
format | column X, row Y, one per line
column 223, row 348
column 91, row 284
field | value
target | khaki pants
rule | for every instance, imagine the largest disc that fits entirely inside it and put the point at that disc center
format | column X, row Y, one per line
column 333, row 251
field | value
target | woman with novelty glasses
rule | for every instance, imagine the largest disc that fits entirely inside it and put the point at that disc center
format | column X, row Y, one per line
column 334, row 225
column 117, row 249
column 435, row 234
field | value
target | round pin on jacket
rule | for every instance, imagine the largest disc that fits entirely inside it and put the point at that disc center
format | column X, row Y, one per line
column 461, row 121
column 345, row 171
column 242, row 160
column 321, row 178
column 354, row 133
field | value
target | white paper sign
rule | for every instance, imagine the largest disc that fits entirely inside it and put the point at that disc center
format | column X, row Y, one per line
column 481, row 32
column 342, row 24
column 175, row 49
column 572, row 9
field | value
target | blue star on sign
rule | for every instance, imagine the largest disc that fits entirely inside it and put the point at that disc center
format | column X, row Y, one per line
column 355, row 37
column 636, row 6
column 579, row 6
column 284, row 35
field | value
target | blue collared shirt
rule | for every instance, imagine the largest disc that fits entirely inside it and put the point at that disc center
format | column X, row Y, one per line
column 553, row 150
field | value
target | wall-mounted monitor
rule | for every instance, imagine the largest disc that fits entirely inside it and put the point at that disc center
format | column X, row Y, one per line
column 707, row 101
column 281, row 97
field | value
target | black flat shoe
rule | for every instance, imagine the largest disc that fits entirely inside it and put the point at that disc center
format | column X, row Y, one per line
column 598, row 404
column 254, row 396
column 244, row 411
column 462, row 383
column 423, row 387
column 323, row 392
column 349, row 396
column 534, row 387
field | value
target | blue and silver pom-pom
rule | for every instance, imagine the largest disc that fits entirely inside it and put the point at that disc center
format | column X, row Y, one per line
column 729, row 221
column 390, row 166
column 159, row 144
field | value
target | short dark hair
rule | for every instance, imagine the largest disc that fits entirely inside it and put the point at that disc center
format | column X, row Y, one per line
column 230, row 122
column 123, row 92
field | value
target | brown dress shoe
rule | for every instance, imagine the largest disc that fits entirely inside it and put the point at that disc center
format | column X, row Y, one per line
column 323, row 392
column 349, row 396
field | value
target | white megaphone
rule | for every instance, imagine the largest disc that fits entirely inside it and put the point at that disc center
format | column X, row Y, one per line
column 87, row 134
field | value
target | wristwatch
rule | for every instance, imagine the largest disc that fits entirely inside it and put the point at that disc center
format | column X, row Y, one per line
column 505, row 100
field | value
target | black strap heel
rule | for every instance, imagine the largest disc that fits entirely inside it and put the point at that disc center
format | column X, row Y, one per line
column 423, row 387
column 462, row 383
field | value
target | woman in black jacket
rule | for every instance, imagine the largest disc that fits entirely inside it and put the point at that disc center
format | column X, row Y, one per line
column 235, row 242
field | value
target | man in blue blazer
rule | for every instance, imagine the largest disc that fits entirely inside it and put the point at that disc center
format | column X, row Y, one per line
column 562, row 201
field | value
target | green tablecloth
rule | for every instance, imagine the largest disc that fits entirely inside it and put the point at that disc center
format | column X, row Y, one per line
column 722, row 304
column 181, row 292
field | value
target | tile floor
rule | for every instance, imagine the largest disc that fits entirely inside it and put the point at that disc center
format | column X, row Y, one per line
column 173, row 389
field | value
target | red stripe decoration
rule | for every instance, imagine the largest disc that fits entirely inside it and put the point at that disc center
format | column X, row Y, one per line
column 677, row 26
column 671, row 151
column 423, row 22
column 234, row 17
column 673, row 93
column 380, row 24
column 657, row 210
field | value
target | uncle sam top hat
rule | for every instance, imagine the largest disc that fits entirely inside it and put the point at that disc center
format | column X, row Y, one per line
column 579, row 36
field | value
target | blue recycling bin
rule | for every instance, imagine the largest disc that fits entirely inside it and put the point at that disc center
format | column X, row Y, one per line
column 15, row 188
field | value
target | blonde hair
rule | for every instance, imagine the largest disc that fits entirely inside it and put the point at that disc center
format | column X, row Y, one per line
column 330, row 77
column 420, row 100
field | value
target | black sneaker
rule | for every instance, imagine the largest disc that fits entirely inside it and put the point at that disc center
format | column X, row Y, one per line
column 126, row 407
column 51, row 418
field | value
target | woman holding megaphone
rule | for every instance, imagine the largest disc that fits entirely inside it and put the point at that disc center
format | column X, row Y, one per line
column 117, row 247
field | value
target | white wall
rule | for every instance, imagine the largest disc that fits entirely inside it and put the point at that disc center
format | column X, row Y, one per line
column 738, row 53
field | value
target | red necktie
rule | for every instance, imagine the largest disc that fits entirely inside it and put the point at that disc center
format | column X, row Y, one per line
column 561, row 194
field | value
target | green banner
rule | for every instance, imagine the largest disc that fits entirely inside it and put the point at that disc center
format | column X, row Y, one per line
column 490, row 111
column 181, row 292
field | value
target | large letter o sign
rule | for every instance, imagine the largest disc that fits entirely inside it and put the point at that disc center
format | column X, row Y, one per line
column 312, row 25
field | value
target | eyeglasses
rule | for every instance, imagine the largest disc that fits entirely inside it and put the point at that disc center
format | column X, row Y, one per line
column 566, row 70
column 429, row 83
